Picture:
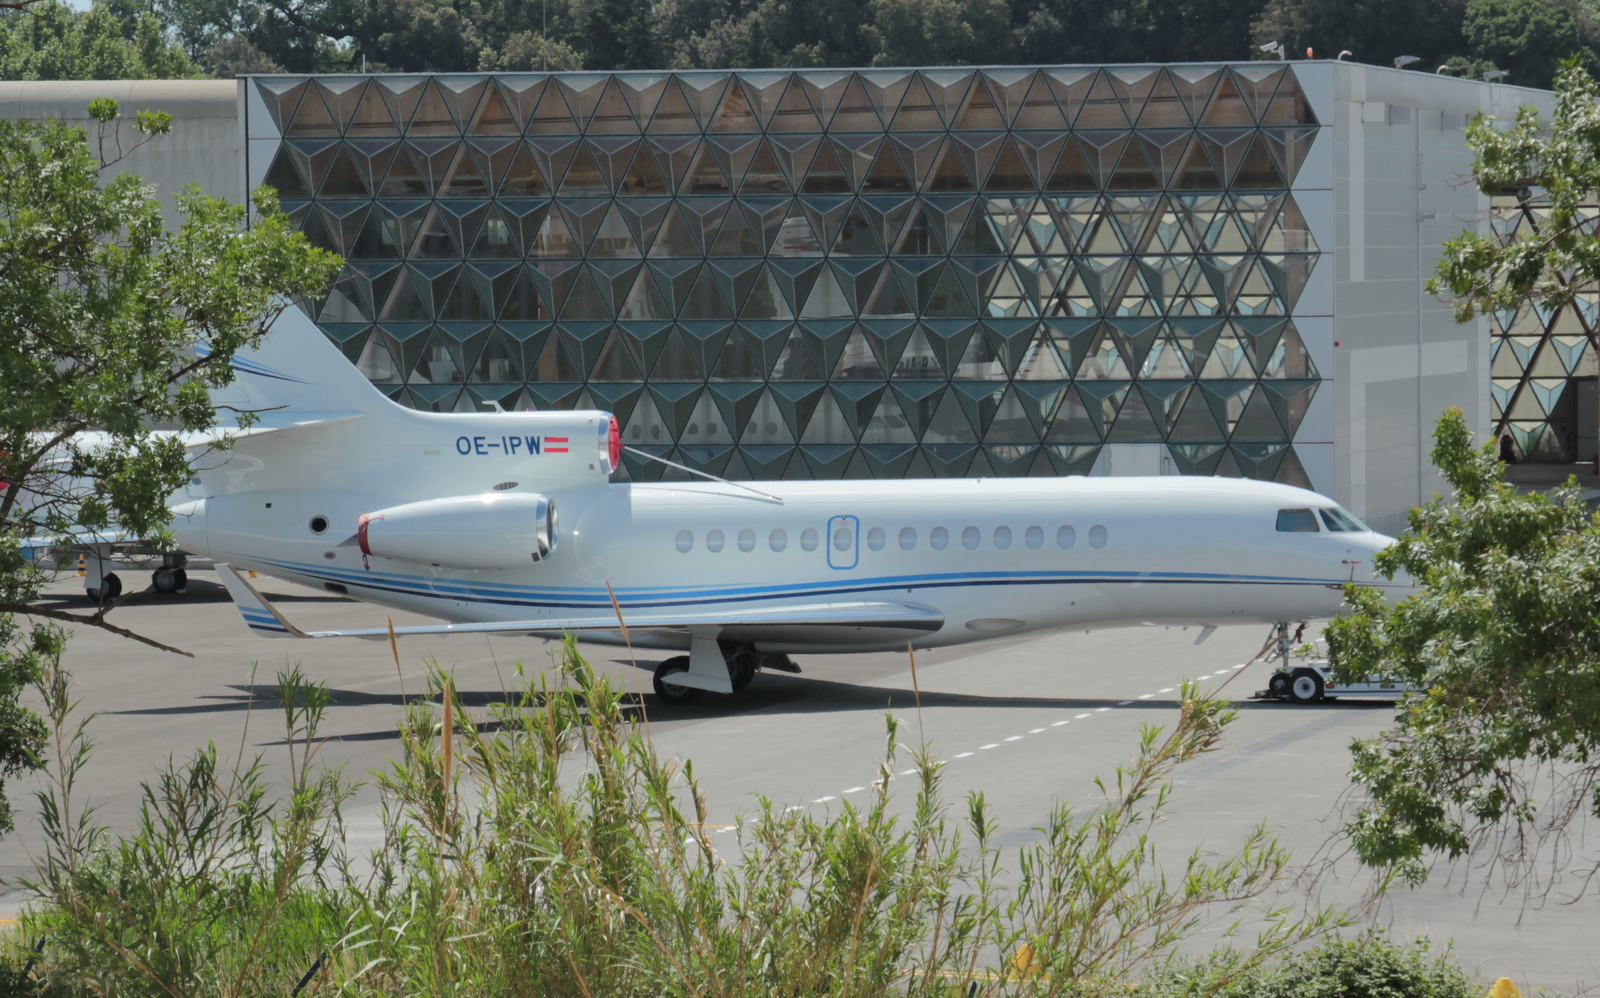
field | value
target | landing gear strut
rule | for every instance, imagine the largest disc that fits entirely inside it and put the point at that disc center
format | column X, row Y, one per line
column 743, row 660
column 1295, row 684
column 171, row 577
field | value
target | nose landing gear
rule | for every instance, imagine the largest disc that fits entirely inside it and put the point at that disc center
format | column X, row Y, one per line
column 1297, row 684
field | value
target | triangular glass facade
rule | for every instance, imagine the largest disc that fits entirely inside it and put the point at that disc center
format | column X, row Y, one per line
column 830, row 273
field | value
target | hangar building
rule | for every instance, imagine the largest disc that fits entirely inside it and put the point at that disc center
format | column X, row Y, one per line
column 1104, row 270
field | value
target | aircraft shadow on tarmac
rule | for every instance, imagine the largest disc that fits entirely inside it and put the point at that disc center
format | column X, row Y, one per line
column 795, row 695
column 199, row 591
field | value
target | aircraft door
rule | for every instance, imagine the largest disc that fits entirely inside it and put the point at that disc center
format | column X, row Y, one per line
column 844, row 537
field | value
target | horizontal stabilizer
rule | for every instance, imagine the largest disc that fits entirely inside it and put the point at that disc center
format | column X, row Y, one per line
column 269, row 422
column 264, row 618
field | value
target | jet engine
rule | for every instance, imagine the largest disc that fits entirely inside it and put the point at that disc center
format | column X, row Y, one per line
column 495, row 530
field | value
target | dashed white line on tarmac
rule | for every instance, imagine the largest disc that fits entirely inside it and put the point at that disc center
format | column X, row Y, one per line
column 1014, row 738
column 1058, row 724
column 1147, row 696
column 989, row 746
column 1081, row 717
column 853, row 790
column 1034, row 731
column 962, row 755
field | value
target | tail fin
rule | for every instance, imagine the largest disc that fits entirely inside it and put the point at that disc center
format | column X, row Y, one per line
column 296, row 369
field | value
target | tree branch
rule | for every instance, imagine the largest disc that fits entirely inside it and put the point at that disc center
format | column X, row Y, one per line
column 27, row 610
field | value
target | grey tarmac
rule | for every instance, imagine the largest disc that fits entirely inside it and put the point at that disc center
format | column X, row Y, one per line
column 1029, row 721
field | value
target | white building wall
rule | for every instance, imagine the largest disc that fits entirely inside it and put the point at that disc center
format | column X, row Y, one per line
column 203, row 147
column 1401, row 188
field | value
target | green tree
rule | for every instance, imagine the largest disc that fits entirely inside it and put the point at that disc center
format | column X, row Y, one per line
column 50, row 41
column 1503, row 751
column 1375, row 31
column 103, row 308
column 1526, row 38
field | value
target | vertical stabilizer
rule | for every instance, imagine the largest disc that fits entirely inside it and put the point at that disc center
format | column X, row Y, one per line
column 296, row 369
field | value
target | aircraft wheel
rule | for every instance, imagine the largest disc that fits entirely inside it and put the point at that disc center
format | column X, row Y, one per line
column 1305, row 686
column 182, row 578
column 1278, row 685
column 670, row 692
column 165, row 580
column 742, row 669
column 110, row 588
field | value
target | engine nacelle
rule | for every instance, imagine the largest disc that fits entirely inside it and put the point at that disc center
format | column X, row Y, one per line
column 495, row 530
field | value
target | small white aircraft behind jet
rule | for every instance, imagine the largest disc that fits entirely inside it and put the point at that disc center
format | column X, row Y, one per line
column 455, row 516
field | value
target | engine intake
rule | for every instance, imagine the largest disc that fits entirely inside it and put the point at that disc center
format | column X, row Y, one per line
column 489, row 531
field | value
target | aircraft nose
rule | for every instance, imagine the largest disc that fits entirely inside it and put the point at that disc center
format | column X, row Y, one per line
column 1364, row 552
column 189, row 527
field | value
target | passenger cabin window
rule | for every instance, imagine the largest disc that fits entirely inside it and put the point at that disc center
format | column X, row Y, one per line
column 778, row 539
column 1297, row 521
column 908, row 538
column 714, row 541
column 1097, row 536
column 808, row 538
column 1066, row 537
column 747, row 539
column 970, row 538
column 1034, row 538
column 876, row 538
column 938, row 538
column 1002, row 537
column 1340, row 522
column 685, row 540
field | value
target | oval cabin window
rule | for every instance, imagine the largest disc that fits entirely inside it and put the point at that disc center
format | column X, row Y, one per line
column 908, row 538
column 685, row 541
column 1066, row 537
column 970, row 538
column 938, row 538
column 876, row 538
column 809, row 538
column 778, row 539
column 1002, row 537
column 747, row 539
column 713, row 540
column 1034, row 538
column 1097, row 536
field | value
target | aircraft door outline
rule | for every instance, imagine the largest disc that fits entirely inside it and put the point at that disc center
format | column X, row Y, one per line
column 843, row 530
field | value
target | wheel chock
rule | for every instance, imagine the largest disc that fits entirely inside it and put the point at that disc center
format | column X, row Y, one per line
column 1504, row 988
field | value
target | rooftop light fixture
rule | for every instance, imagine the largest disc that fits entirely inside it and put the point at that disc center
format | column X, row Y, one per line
column 1492, row 75
column 1442, row 70
column 1342, row 54
column 1273, row 47
column 1402, row 61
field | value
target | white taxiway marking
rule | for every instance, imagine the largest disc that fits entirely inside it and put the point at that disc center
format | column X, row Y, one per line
column 1011, row 738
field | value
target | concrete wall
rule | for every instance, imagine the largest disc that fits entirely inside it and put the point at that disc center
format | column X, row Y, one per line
column 203, row 147
column 1401, row 188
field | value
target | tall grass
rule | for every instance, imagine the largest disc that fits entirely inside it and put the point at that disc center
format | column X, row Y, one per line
column 549, row 850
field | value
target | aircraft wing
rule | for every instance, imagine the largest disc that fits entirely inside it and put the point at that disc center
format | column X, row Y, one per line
column 755, row 622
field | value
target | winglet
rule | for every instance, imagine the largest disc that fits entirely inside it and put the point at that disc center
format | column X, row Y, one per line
column 262, row 616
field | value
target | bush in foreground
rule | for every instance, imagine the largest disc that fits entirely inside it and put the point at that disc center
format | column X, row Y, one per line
column 548, row 850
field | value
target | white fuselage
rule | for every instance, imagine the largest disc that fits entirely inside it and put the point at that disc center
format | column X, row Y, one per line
column 994, row 556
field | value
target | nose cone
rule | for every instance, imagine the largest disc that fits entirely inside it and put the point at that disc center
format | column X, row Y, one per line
column 189, row 527
column 1394, row 590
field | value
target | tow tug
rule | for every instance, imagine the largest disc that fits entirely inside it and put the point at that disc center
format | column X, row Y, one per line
column 1310, row 680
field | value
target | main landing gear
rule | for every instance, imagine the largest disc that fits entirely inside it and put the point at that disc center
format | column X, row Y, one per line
column 171, row 577
column 743, row 661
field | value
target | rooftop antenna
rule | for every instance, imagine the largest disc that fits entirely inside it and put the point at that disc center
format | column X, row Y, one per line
column 1492, row 75
column 1402, row 61
column 1342, row 54
column 1274, row 47
column 1443, row 70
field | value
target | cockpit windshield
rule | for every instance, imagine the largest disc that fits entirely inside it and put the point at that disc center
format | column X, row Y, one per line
column 1296, row 521
column 1340, row 522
